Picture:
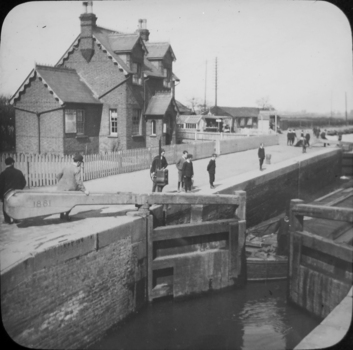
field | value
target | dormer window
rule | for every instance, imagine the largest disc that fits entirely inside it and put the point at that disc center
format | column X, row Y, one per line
column 167, row 78
column 137, row 76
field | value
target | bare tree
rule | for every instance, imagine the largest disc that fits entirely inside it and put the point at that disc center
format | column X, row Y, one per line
column 197, row 106
column 264, row 103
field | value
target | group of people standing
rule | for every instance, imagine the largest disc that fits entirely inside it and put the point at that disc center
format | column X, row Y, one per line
column 303, row 141
column 185, row 169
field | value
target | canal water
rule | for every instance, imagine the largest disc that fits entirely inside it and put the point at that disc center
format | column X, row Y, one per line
column 250, row 318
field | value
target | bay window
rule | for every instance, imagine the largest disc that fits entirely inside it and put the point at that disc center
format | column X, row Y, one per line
column 75, row 121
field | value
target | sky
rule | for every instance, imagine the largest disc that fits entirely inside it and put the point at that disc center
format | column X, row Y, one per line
column 296, row 54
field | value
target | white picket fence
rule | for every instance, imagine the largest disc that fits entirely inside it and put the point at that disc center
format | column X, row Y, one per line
column 41, row 169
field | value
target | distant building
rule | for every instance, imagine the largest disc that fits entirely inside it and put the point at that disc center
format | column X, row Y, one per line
column 240, row 117
column 109, row 91
column 194, row 122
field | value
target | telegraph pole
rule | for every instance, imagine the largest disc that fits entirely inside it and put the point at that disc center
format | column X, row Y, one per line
column 204, row 103
column 216, row 84
column 346, row 109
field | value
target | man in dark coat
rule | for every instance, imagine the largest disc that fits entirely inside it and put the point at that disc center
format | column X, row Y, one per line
column 323, row 136
column 10, row 179
column 211, row 168
column 188, row 173
column 289, row 137
column 307, row 137
column 158, row 163
column 179, row 165
column 261, row 154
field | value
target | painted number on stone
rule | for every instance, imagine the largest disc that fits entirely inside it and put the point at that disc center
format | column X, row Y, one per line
column 40, row 204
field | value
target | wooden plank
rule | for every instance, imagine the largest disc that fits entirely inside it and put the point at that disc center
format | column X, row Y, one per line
column 149, row 243
column 191, row 230
column 339, row 200
column 164, row 262
column 327, row 246
column 323, row 212
column 233, row 253
column 161, row 291
column 192, row 198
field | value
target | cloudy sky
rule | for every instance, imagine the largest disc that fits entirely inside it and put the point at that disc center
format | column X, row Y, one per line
column 296, row 53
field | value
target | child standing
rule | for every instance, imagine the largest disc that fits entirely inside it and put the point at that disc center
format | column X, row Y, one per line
column 211, row 168
column 188, row 172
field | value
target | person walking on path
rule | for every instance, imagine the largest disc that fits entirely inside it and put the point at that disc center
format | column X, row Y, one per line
column 188, row 172
column 307, row 138
column 261, row 154
column 158, row 163
column 211, row 168
column 323, row 136
column 10, row 179
column 179, row 165
column 289, row 136
column 70, row 179
column 305, row 144
column 294, row 137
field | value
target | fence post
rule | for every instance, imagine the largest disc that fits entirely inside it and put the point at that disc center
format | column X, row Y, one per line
column 28, row 179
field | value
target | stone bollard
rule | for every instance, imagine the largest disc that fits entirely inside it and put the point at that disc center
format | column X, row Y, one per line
column 268, row 158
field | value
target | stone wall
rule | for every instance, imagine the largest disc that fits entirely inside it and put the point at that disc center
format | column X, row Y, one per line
column 68, row 295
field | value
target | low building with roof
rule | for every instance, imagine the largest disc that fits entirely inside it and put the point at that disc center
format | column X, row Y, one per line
column 239, row 118
column 97, row 95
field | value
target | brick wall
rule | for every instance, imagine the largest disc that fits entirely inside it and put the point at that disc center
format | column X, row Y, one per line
column 66, row 297
column 101, row 74
column 37, row 98
column 89, row 144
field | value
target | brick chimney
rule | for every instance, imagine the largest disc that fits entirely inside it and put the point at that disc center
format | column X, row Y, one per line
column 142, row 29
column 88, row 22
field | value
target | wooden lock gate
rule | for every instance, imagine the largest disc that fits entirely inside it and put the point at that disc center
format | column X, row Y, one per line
column 181, row 259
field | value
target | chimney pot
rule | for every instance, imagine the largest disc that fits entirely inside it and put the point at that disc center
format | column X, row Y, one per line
column 90, row 6
column 84, row 6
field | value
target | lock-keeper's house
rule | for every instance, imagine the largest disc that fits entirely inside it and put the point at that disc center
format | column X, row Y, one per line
column 109, row 91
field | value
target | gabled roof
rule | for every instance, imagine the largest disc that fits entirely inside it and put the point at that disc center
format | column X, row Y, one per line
column 159, row 50
column 159, row 104
column 190, row 119
column 113, row 42
column 236, row 111
column 64, row 84
column 125, row 42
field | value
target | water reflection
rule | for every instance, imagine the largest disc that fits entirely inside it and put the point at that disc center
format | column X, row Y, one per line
column 256, row 317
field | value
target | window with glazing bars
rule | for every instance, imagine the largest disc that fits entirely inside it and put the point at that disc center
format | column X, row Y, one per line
column 113, row 122
column 136, row 122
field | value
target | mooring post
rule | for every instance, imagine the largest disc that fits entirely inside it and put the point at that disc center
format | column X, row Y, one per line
column 296, row 222
column 240, row 212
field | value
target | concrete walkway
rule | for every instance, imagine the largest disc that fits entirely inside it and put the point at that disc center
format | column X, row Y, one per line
column 18, row 241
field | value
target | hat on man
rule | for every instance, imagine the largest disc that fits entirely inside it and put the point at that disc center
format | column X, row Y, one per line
column 162, row 150
column 9, row 161
column 78, row 158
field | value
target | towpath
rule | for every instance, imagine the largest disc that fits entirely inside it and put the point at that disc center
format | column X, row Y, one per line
column 19, row 241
